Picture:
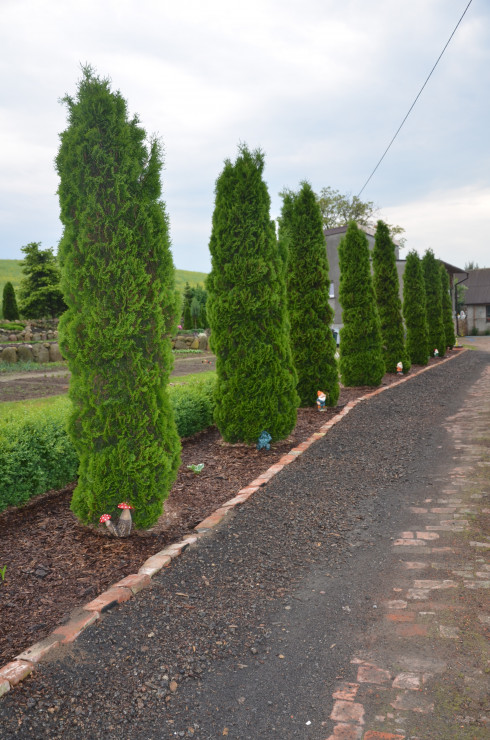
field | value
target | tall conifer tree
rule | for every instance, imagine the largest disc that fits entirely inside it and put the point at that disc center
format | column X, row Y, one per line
column 118, row 280
column 310, row 314
column 447, row 309
column 414, row 310
column 386, row 287
column 9, row 303
column 246, row 309
column 361, row 354
column 432, row 281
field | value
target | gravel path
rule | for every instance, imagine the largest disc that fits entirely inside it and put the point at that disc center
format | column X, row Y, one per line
column 247, row 633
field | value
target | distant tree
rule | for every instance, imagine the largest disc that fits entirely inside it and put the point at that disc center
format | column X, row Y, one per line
column 338, row 209
column 256, row 380
column 310, row 314
column 414, row 310
column 9, row 304
column 432, row 281
column 40, row 294
column 187, row 316
column 118, row 279
column 386, row 287
column 361, row 354
column 447, row 308
column 195, row 312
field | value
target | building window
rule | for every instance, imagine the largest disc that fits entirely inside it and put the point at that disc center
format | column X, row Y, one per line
column 331, row 293
column 488, row 313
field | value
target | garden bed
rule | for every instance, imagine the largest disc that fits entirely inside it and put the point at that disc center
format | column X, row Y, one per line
column 53, row 564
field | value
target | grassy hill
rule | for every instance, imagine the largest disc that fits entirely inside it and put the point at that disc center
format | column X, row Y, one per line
column 11, row 271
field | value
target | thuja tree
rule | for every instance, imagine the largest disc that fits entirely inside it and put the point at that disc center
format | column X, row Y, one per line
column 246, row 309
column 414, row 310
column 9, row 303
column 310, row 314
column 432, row 282
column 386, row 287
column 447, row 309
column 361, row 354
column 118, row 279
column 40, row 293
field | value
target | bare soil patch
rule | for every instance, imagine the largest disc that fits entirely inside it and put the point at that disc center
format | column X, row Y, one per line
column 54, row 564
column 45, row 382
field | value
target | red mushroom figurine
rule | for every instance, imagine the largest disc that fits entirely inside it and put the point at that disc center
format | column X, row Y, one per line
column 125, row 522
column 106, row 519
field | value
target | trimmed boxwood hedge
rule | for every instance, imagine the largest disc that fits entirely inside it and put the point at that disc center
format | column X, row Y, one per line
column 36, row 453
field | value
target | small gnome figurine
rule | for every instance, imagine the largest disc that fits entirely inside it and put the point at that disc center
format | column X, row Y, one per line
column 399, row 368
column 436, row 353
column 320, row 401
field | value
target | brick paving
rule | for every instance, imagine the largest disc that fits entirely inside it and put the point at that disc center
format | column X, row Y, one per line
column 411, row 641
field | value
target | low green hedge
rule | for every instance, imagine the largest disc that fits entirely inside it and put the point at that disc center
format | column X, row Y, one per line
column 37, row 455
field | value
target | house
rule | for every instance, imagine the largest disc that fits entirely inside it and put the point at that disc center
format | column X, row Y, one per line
column 333, row 237
column 477, row 300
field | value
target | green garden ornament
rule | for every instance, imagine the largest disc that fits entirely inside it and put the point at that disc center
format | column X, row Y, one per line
column 264, row 441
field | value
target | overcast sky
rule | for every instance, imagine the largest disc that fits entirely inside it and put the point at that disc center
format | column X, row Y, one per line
column 319, row 85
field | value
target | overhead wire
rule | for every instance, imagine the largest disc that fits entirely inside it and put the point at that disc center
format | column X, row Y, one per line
column 418, row 96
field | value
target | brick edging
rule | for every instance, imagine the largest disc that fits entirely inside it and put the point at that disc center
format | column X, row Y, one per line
column 23, row 664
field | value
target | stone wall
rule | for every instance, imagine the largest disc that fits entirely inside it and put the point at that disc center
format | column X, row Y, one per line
column 44, row 350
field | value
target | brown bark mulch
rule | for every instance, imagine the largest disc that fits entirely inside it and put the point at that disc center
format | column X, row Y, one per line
column 53, row 564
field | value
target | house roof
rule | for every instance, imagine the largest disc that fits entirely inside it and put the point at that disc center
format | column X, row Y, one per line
column 478, row 285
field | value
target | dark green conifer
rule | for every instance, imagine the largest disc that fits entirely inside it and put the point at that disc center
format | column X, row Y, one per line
column 414, row 310
column 432, row 281
column 386, row 287
column 246, row 309
column 447, row 309
column 361, row 354
column 40, row 292
column 118, row 279
column 9, row 303
column 310, row 314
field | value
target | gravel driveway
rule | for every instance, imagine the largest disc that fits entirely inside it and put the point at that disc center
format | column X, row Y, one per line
column 248, row 632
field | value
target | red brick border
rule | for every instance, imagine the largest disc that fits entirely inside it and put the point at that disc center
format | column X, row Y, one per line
column 23, row 664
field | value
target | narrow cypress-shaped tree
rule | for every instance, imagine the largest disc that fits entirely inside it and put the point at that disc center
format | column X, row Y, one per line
column 414, row 310
column 310, row 314
column 386, row 287
column 432, row 281
column 118, row 279
column 447, row 309
column 361, row 353
column 246, row 309
column 9, row 303
column 40, row 293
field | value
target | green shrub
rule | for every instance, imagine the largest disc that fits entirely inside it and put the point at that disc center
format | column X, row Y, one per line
column 36, row 453
column 10, row 310
column 414, row 310
column 474, row 332
column 246, row 308
column 447, row 308
column 17, row 326
column 433, row 298
column 361, row 353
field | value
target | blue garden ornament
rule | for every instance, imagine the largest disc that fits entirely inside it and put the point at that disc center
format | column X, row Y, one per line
column 264, row 441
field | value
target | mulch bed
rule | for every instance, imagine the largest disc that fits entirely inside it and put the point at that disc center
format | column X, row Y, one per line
column 55, row 565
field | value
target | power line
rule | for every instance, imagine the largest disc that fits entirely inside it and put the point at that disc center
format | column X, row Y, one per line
column 418, row 96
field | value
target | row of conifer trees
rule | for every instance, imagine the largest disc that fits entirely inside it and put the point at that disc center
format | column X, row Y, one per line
column 267, row 306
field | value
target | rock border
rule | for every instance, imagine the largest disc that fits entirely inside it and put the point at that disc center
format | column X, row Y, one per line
column 23, row 664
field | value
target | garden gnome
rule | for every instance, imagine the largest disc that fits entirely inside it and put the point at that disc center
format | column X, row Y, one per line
column 320, row 401
column 264, row 441
column 399, row 368
column 436, row 353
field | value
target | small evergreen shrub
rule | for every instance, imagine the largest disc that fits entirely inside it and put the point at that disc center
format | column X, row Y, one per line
column 9, row 303
column 447, row 309
column 246, row 308
column 310, row 314
column 414, row 310
column 361, row 354
column 386, row 286
column 432, row 281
